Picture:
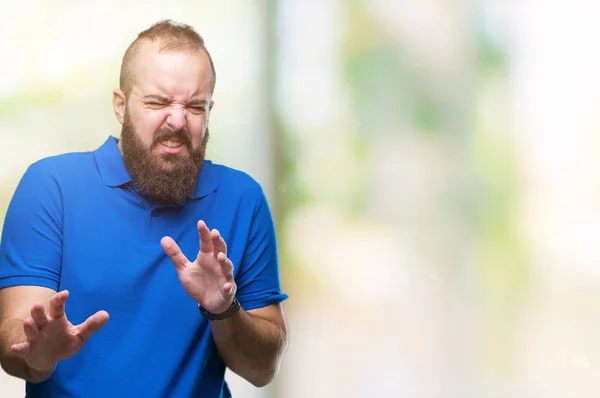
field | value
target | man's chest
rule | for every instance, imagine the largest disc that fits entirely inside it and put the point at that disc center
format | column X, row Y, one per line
column 113, row 258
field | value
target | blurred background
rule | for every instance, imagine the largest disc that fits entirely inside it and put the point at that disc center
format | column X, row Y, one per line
column 432, row 166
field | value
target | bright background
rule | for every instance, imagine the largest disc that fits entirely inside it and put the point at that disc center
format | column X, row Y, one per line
column 433, row 167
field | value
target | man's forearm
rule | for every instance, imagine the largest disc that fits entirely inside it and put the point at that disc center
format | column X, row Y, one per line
column 250, row 346
column 11, row 332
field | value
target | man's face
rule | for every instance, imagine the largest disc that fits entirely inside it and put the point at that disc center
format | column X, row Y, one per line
column 164, row 134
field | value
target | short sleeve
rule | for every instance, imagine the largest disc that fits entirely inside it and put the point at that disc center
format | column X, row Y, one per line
column 31, row 242
column 258, row 277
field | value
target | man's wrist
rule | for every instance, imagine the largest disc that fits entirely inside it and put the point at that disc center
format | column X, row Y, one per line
column 38, row 376
column 233, row 308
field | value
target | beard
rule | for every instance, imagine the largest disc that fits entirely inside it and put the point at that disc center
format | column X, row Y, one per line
column 161, row 176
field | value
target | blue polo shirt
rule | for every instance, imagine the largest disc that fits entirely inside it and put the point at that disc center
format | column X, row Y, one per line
column 75, row 223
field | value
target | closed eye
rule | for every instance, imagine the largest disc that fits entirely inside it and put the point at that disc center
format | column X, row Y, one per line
column 156, row 104
column 197, row 109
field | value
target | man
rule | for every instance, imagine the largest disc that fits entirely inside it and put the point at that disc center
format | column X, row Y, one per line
column 158, row 304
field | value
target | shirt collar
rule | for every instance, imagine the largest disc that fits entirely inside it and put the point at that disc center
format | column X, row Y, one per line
column 110, row 164
column 114, row 173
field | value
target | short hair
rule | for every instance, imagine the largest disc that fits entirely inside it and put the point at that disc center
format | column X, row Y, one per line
column 173, row 36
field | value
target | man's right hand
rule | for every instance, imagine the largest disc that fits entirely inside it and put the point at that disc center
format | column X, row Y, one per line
column 51, row 338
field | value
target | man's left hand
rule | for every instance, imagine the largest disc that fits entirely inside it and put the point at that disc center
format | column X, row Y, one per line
column 209, row 279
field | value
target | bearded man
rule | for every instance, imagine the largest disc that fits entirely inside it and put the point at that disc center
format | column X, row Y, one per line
column 123, row 233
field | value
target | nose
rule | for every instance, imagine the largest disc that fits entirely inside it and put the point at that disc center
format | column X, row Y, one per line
column 176, row 119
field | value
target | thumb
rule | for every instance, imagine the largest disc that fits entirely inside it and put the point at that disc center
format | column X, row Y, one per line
column 172, row 250
column 92, row 325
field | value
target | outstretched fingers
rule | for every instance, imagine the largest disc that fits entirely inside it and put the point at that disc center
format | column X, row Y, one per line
column 227, row 270
column 218, row 242
column 172, row 250
column 206, row 243
column 57, row 304
column 92, row 325
column 38, row 314
column 226, row 265
column 21, row 349
column 30, row 329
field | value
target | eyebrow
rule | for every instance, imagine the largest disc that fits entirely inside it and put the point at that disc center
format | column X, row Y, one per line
column 197, row 102
column 155, row 97
column 162, row 98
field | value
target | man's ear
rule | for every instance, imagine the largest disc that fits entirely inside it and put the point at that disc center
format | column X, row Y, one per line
column 119, row 103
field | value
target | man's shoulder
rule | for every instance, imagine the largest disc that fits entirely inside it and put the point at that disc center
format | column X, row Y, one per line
column 65, row 159
column 61, row 165
column 232, row 179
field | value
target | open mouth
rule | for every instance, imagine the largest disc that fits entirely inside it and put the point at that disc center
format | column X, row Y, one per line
column 171, row 146
column 172, row 143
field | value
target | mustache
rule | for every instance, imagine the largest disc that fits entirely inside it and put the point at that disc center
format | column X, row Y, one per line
column 178, row 135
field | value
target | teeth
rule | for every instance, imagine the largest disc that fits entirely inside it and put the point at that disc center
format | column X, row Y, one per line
column 172, row 144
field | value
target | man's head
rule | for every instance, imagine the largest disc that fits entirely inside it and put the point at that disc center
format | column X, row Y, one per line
column 163, row 103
